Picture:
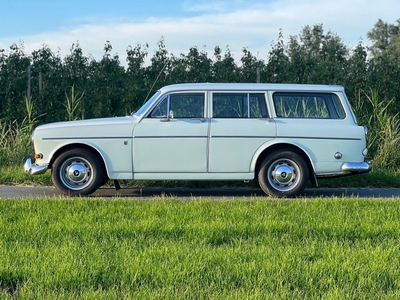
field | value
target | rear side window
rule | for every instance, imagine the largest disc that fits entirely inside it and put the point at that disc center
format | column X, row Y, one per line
column 239, row 105
column 308, row 105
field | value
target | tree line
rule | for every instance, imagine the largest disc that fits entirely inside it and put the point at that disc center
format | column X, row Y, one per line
column 43, row 83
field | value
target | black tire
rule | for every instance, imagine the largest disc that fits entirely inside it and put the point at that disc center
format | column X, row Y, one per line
column 283, row 174
column 77, row 172
column 105, row 179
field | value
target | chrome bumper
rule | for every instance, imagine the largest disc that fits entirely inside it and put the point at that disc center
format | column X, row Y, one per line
column 33, row 169
column 357, row 167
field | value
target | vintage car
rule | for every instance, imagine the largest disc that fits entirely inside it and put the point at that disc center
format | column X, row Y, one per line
column 280, row 135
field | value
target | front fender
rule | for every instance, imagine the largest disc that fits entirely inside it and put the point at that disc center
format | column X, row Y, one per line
column 116, row 153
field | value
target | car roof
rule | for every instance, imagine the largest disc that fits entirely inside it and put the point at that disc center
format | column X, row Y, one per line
column 251, row 87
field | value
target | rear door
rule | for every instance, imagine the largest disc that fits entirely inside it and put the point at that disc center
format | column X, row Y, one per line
column 240, row 124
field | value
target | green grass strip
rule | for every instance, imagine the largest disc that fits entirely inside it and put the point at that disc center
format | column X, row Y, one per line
column 246, row 248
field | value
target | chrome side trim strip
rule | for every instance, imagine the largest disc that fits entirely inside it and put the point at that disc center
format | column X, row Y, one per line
column 321, row 138
column 243, row 136
column 86, row 138
column 172, row 137
column 185, row 136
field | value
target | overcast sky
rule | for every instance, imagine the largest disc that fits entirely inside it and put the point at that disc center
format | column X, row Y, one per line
column 204, row 24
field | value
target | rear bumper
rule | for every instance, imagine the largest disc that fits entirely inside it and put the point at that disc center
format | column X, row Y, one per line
column 356, row 167
column 33, row 169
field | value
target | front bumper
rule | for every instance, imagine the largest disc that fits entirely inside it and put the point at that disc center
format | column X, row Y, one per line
column 357, row 167
column 33, row 169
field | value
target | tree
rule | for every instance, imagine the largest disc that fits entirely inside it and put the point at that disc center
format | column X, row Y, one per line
column 356, row 79
column 383, row 36
column 224, row 69
column 316, row 57
column 157, row 73
column 47, row 78
column 178, row 71
column 277, row 69
column 76, row 73
column 136, row 88
column 384, row 70
column 198, row 66
column 106, row 86
column 13, row 83
column 250, row 66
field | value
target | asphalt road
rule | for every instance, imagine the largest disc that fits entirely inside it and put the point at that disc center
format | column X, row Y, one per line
column 47, row 191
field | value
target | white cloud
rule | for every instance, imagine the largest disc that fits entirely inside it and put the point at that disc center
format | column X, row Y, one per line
column 254, row 27
column 207, row 6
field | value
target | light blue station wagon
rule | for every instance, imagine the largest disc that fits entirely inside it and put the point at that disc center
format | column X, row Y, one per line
column 280, row 135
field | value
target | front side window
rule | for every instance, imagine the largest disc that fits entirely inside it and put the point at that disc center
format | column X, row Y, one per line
column 239, row 105
column 180, row 106
column 308, row 105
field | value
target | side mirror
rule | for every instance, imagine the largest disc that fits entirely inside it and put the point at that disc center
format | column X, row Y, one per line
column 169, row 117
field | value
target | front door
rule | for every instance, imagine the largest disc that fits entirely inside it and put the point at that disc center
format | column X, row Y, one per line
column 173, row 138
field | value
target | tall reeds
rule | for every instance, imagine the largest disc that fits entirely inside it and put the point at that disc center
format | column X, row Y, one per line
column 15, row 144
column 73, row 102
column 384, row 129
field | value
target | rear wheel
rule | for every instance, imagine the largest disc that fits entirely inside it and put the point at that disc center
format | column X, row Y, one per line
column 283, row 174
column 77, row 172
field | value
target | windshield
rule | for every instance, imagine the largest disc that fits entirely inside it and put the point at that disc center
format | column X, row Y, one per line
column 145, row 106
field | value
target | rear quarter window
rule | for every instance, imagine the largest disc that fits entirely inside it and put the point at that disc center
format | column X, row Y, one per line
column 239, row 105
column 308, row 105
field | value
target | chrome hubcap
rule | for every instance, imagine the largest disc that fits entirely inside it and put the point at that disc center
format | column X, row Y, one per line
column 76, row 173
column 284, row 174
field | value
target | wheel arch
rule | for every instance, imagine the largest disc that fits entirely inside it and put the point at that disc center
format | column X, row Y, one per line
column 285, row 146
column 87, row 147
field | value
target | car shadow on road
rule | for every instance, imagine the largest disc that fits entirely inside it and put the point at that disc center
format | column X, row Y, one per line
column 147, row 192
column 187, row 193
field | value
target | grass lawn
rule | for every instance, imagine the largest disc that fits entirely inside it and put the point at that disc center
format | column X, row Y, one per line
column 246, row 248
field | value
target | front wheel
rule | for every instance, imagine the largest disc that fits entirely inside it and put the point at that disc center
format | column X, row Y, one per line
column 283, row 174
column 77, row 172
